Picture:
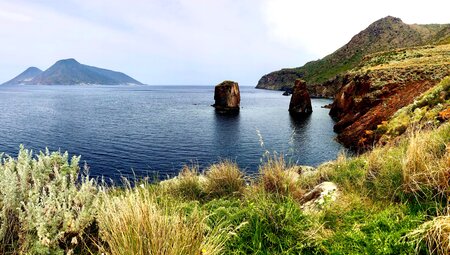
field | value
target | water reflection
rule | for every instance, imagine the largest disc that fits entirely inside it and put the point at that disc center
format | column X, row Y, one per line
column 300, row 124
column 309, row 140
column 227, row 133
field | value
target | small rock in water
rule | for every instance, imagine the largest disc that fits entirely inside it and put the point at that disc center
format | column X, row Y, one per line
column 300, row 104
column 227, row 97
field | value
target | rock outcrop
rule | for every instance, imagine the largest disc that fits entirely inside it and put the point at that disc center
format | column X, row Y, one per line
column 300, row 104
column 317, row 198
column 227, row 97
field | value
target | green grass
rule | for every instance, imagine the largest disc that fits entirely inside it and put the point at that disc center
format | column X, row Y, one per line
column 360, row 227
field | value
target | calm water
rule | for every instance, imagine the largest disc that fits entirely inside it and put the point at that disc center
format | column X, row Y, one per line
column 150, row 129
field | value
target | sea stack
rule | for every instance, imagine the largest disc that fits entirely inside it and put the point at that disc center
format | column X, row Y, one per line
column 300, row 104
column 227, row 97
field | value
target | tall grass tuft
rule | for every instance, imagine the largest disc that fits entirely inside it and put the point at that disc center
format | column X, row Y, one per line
column 426, row 163
column 384, row 177
column 224, row 179
column 434, row 234
column 141, row 222
column 278, row 178
column 188, row 184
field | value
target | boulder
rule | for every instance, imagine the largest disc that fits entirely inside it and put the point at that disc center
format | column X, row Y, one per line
column 300, row 104
column 227, row 97
column 321, row 194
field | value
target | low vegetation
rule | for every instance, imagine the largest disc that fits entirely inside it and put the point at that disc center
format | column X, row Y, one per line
column 392, row 200
column 412, row 64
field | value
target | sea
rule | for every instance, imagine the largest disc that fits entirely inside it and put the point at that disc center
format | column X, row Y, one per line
column 153, row 131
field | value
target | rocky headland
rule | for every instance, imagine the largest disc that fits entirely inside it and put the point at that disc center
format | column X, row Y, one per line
column 382, row 69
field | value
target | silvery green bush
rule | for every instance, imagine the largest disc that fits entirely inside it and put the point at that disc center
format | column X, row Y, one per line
column 45, row 203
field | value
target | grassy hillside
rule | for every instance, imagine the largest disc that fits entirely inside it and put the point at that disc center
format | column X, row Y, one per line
column 385, row 34
column 380, row 85
column 392, row 200
column 432, row 108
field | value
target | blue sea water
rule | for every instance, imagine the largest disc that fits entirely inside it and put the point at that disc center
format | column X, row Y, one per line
column 155, row 130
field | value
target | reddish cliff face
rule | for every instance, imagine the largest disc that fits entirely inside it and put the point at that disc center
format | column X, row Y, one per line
column 384, row 83
column 360, row 106
column 300, row 104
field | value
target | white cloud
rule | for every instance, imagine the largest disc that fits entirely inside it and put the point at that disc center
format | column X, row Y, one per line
column 189, row 41
column 13, row 16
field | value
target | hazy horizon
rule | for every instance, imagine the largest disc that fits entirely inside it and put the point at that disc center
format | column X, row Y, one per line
column 190, row 42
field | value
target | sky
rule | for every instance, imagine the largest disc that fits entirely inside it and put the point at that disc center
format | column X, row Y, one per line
column 191, row 42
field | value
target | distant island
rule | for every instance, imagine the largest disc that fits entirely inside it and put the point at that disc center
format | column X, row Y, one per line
column 71, row 72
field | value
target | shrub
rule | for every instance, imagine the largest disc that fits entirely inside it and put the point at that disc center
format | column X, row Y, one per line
column 224, row 179
column 142, row 222
column 44, row 204
column 278, row 178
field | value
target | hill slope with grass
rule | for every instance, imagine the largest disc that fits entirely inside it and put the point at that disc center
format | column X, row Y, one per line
column 385, row 34
column 380, row 85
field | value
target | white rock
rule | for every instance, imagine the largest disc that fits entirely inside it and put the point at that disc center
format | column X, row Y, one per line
column 316, row 199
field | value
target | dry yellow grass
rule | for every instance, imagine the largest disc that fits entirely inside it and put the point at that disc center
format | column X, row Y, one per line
column 141, row 222
column 224, row 179
column 426, row 164
column 276, row 177
column 435, row 234
column 411, row 57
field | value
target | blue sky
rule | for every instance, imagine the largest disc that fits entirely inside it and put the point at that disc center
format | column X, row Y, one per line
column 192, row 42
